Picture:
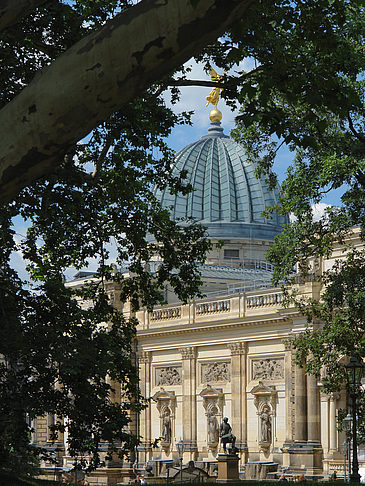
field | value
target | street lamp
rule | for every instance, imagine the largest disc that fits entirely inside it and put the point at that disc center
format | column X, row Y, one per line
column 180, row 450
column 354, row 370
column 347, row 421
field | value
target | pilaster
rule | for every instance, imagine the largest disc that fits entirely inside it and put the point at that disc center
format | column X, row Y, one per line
column 144, row 360
column 188, row 356
column 239, row 393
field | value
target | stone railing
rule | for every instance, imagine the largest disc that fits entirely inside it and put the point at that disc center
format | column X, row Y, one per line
column 214, row 307
column 264, row 300
column 166, row 314
column 235, row 306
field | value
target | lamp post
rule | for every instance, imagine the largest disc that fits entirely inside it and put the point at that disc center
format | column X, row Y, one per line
column 347, row 444
column 354, row 370
column 180, row 450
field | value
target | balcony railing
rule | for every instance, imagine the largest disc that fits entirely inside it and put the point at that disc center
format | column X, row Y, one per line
column 234, row 306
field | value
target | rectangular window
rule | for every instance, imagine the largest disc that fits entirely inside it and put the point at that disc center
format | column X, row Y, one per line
column 228, row 254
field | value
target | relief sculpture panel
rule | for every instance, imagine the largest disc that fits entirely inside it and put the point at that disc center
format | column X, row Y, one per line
column 215, row 372
column 268, row 369
column 168, row 375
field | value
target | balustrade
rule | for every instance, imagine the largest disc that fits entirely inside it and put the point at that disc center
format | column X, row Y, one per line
column 213, row 307
column 165, row 314
column 264, row 300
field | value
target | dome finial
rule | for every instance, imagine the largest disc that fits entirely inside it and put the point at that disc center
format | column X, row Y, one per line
column 213, row 96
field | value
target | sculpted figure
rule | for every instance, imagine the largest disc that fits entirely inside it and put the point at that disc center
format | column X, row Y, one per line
column 213, row 433
column 166, row 427
column 225, row 433
column 265, row 426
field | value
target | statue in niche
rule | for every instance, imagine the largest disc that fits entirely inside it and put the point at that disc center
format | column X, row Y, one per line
column 225, row 433
column 166, row 427
column 265, row 425
column 213, row 431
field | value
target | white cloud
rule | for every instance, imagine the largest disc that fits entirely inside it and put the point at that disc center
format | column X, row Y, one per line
column 319, row 210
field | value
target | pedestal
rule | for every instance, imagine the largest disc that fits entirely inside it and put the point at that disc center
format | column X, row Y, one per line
column 227, row 467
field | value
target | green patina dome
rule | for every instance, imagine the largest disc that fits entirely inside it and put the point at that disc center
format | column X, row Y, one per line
column 227, row 197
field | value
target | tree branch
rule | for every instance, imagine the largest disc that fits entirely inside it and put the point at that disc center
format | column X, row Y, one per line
column 97, row 76
column 11, row 11
column 229, row 82
column 358, row 135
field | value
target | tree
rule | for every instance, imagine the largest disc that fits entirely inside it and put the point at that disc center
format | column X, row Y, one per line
column 91, row 78
column 100, row 189
column 56, row 355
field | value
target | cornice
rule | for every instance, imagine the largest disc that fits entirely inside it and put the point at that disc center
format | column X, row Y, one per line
column 211, row 326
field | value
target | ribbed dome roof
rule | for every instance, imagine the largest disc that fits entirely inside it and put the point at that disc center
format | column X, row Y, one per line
column 227, row 198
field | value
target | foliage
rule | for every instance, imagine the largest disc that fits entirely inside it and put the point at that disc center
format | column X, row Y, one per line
column 56, row 353
column 308, row 89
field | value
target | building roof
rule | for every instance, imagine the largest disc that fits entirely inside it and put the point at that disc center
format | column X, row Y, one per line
column 227, row 197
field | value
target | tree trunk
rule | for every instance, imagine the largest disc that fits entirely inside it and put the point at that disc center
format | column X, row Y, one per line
column 97, row 76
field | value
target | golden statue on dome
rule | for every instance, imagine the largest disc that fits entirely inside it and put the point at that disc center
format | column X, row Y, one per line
column 213, row 96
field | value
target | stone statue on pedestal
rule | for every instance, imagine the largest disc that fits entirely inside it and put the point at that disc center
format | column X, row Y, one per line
column 265, row 426
column 213, row 432
column 225, row 433
column 166, row 427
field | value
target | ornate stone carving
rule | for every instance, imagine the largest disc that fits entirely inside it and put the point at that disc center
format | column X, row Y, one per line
column 145, row 357
column 215, row 372
column 265, row 402
column 188, row 352
column 237, row 348
column 168, row 375
column 166, row 426
column 264, row 395
column 213, row 405
column 268, row 369
column 265, row 419
column 212, row 429
column 166, row 403
column 288, row 344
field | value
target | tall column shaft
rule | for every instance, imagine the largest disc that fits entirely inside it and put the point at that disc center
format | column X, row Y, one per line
column 300, row 405
column 238, row 393
column 188, row 356
column 145, row 416
column 332, row 425
column 288, row 390
column 313, row 420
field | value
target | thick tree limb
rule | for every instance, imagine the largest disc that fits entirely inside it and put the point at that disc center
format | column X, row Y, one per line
column 97, row 76
column 13, row 10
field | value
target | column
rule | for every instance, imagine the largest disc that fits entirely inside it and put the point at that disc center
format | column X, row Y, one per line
column 238, row 393
column 332, row 423
column 300, row 405
column 313, row 419
column 188, row 356
column 288, row 390
column 144, row 360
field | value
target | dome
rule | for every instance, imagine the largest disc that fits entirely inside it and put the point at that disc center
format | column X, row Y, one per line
column 227, row 197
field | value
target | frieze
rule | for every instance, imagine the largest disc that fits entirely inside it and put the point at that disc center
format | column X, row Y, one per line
column 168, row 375
column 215, row 372
column 268, row 369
